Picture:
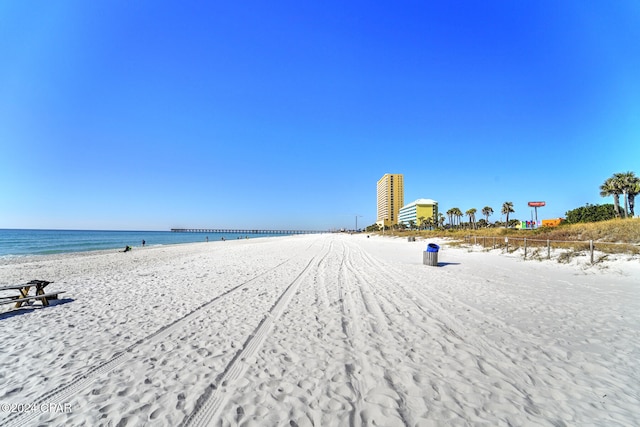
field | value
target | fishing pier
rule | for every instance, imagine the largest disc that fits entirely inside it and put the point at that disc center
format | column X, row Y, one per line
column 243, row 231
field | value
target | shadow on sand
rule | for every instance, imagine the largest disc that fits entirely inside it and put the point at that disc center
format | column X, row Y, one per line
column 30, row 308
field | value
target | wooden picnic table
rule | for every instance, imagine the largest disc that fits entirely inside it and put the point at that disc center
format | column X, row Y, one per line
column 24, row 296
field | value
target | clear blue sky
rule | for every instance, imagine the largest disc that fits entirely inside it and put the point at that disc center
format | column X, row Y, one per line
column 152, row 115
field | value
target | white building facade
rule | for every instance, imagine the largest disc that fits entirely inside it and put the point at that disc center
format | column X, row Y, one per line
column 414, row 211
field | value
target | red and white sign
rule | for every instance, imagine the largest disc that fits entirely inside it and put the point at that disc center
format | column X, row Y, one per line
column 536, row 204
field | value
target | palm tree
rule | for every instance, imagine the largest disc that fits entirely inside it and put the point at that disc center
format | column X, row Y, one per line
column 621, row 182
column 627, row 181
column 458, row 214
column 450, row 215
column 610, row 188
column 471, row 213
column 487, row 211
column 507, row 208
column 421, row 223
column 441, row 219
column 429, row 223
column 634, row 190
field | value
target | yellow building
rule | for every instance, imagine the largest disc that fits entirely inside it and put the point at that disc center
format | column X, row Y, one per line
column 421, row 208
column 390, row 198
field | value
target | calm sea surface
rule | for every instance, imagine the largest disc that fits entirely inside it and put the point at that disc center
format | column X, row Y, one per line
column 44, row 242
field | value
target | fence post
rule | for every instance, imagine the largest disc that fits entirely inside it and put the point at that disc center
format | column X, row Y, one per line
column 591, row 249
column 548, row 249
column 525, row 248
column 494, row 242
column 484, row 242
column 506, row 240
column 475, row 240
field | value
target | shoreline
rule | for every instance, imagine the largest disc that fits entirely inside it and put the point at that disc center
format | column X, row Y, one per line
column 121, row 245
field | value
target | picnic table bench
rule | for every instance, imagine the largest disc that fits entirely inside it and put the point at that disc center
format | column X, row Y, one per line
column 23, row 293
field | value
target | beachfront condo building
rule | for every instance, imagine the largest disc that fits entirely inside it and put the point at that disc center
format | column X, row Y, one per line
column 416, row 212
column 390, row 198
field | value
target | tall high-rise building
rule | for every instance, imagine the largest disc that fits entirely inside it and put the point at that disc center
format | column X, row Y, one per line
column 390, row 198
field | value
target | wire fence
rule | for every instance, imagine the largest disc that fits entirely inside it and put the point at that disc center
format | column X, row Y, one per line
column 542, row 248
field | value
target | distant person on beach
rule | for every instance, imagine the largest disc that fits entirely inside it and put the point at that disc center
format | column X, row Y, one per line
column 127, row 248
column 143, row 243
column 207, row 238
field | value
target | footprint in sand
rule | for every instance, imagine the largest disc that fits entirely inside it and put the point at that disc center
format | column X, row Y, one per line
column 239, row 413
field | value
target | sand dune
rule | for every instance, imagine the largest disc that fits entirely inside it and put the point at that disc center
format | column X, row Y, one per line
column 321, row 330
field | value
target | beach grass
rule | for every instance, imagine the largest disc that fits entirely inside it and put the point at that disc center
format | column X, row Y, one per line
column 613, row 236
column 615, row 231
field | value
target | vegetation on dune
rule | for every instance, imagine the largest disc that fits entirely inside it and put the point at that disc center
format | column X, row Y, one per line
column 591, row 213
column 614, row 223
column 613, row 231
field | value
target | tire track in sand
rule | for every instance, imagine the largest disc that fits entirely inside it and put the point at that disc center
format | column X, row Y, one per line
column 385, row 393
column 489, row 359
column 214, row 398
column 65, row 392
column 351, row 330
column 377, row 399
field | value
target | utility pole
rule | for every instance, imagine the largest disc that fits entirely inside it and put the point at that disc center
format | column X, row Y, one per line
column 357, row 221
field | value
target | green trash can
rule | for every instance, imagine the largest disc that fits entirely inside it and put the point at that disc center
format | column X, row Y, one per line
column 430, row 256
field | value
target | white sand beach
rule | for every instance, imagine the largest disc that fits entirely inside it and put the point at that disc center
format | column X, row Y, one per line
column 321, row 330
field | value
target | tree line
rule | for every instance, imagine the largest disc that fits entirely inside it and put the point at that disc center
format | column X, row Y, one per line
column 454, row 216
column 625, row 185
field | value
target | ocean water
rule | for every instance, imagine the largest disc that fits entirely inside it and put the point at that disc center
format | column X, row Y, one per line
column 44, row 242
